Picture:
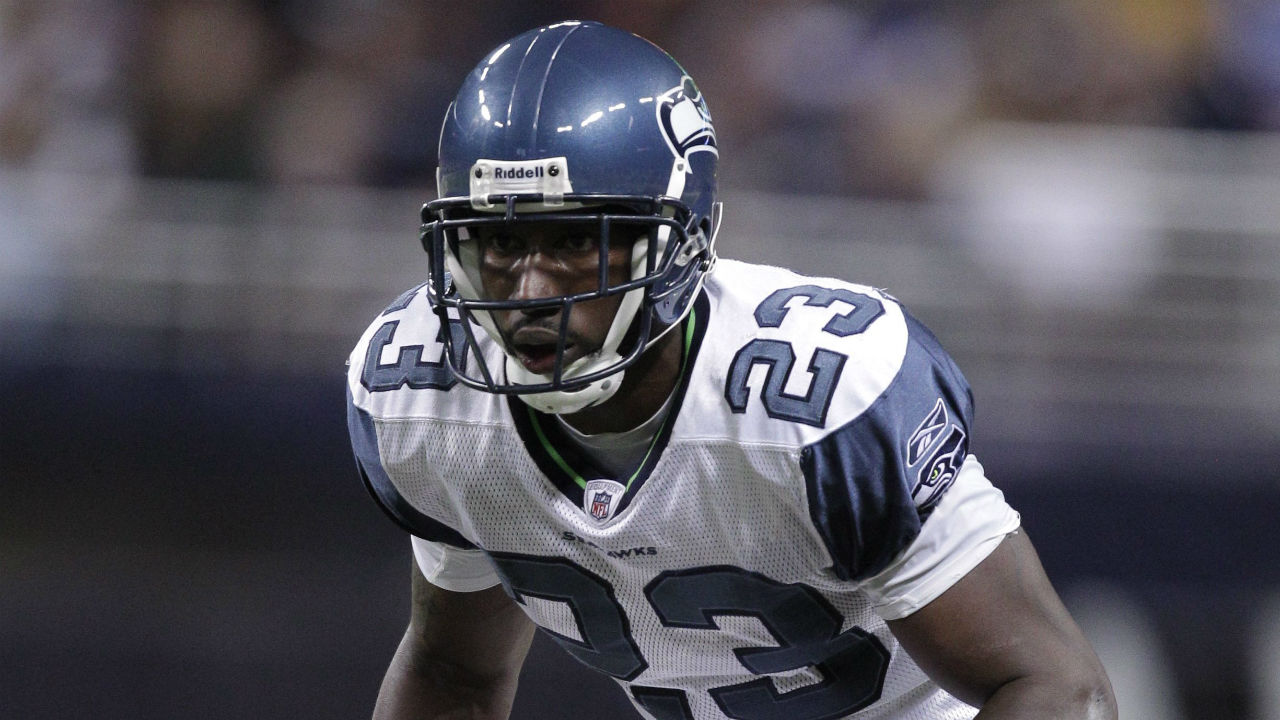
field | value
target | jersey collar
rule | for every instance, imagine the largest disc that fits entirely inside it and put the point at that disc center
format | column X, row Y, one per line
column 568, row 467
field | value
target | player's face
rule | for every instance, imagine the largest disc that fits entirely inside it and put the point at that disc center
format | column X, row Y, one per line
column 542, row 260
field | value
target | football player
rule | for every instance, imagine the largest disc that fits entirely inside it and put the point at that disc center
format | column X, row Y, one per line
column 740, row 492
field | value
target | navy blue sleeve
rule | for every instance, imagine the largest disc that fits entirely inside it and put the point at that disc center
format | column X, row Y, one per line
column 364, row 442
column 872, row 482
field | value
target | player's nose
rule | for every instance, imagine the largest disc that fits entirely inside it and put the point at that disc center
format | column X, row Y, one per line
column 537, row 278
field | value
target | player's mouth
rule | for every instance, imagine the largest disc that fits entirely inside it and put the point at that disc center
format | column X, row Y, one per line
column 535, row 348
column 537, row 359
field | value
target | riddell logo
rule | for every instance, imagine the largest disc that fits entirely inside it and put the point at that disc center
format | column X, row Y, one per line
column 518, row 173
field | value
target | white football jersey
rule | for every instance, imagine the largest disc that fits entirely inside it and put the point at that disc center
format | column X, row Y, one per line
column 811, row 480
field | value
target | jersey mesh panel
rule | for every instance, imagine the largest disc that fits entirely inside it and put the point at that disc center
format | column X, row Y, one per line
column 707, row 503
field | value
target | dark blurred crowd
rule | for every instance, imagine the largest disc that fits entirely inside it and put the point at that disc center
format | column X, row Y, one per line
column 857, row 97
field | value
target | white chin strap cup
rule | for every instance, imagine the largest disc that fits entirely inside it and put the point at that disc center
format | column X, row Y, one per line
column 560, row 402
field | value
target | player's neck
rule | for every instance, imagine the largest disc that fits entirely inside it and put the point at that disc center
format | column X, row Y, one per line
column 647, row 385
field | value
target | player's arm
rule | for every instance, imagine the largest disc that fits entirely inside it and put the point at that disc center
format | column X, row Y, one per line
column 1001, row 639
column 459, row 658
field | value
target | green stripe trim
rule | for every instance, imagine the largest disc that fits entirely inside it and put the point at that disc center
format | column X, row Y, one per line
column 684, row 364
column 551, row 450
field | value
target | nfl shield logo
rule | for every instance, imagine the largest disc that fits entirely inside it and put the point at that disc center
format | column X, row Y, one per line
column 600, row 505
column 600, row 498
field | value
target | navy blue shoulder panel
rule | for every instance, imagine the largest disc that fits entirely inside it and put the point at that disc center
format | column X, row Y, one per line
column 364, row 442
column 873, row 482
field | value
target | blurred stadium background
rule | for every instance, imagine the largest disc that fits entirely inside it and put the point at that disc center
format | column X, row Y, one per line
column 202, row 202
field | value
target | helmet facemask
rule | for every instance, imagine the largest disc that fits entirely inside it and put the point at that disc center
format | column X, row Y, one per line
column 660, row 256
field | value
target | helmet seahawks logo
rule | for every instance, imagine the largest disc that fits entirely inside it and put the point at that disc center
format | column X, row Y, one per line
column 685, row 122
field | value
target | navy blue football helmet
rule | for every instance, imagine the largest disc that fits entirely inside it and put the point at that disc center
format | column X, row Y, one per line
column 575, row 122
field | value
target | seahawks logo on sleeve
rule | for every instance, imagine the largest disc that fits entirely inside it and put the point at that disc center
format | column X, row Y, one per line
column 935, row 451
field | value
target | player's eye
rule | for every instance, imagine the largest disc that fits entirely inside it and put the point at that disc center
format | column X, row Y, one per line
column 575, row 244
column 504, row 244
